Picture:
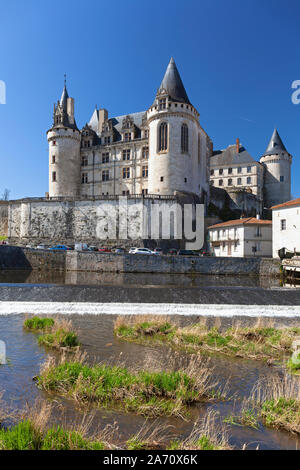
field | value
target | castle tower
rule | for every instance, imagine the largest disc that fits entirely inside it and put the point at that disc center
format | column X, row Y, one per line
column 177, row 143
column 277, row 178
column 64, row 150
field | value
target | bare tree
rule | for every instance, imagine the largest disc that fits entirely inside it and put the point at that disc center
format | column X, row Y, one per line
column 5, row 195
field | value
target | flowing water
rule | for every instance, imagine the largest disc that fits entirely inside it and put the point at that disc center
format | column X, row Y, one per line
column 96, row 334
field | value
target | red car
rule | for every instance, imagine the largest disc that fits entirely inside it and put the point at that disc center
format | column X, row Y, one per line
column 104, row 250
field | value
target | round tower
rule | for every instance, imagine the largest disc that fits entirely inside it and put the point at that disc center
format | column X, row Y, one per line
column 64, row 150
column 277, row 177
column 174, row 139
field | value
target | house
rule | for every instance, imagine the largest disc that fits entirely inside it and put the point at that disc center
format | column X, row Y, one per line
column 286, row 226
column 242, row 237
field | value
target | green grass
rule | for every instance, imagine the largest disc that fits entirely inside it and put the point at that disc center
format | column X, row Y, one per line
column 145, row 393
column 59, row 339
column 25, row 436
column 55, row 333
column 248, row 418
column 294, row 367
column 38, row 324
column 260, row 343
column 282, row 413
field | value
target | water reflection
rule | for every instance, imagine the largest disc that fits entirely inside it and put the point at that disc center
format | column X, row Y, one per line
column 133, row 279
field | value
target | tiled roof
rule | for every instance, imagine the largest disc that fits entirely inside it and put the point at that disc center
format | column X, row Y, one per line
column 246, row 221
column 294, row 202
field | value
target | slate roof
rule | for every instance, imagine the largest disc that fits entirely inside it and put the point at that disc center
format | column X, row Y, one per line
column 275, row 146
column 230, row 156
column 64, row 97
column 117, row 122
column 173, row 85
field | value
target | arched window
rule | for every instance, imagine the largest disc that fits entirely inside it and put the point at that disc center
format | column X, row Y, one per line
column 184, row 138
column 163, row 137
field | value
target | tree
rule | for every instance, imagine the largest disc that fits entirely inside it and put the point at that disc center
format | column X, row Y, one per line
column 5, row 195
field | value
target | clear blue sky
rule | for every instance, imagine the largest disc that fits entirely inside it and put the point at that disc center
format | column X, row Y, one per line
column 237, row 60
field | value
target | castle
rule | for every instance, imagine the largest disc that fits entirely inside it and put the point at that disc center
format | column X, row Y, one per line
column 159, row 154
column 160, row 151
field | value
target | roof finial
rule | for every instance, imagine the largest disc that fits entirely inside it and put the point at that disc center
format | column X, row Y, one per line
column 65, row 79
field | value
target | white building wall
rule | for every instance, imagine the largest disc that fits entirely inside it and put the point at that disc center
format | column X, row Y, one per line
column 290, row 237
column 239, row 241
column 64, row 162
column 276, row 191
column 172, row 170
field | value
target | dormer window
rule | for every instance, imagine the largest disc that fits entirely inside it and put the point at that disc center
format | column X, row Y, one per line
column 162, row 103
column 127, row 136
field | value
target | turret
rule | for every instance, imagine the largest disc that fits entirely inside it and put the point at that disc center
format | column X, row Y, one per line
column 277, row 177
column 64, row 150
column 177, row 144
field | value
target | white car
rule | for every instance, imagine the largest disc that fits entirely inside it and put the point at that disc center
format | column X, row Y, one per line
column 132, row 250
column 143, row 251
column 42, row 247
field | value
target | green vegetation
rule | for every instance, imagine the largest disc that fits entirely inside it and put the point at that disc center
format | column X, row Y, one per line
column 207, row 434
column 277, row 399
column 248, row 418
column 2, row 238
column 38, row 324
column 282, row 413
column 27, row 436
column 257, row 342
column 145, row 392
column 59, row 339
column 56, row 334
column 294, row 366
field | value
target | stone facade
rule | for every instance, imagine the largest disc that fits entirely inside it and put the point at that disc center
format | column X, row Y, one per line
column 115, row 263
column 122, row 155
column 111, row 222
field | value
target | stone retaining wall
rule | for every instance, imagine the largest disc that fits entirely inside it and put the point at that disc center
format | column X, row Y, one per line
column 15, row 257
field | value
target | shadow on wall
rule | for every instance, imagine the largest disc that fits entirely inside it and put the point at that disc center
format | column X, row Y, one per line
column 13, row 257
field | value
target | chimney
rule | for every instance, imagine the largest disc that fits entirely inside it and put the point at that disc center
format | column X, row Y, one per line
column 237, row 145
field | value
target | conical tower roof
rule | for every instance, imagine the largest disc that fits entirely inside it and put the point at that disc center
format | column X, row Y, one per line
column 173, row 85
column 64, row 97
column 275, row 145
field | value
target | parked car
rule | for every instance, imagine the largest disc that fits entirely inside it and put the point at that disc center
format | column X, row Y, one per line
column 186, row 253
column 81, row 247
column 92, row 248
column 158, row 251
column 132, row 249
column 172, row 251
column 104, row 250
column 60, row 247
column 143, row 251
column 42, row 246
column 119, row 250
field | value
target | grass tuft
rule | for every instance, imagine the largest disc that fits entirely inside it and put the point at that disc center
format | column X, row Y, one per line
column 261, row 342
column 145, row 392
column 57, row 334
